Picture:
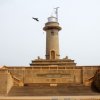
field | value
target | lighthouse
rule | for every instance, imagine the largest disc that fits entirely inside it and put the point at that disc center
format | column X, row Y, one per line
column 52, row 29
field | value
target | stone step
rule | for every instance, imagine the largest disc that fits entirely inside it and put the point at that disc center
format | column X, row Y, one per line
column 50, row 91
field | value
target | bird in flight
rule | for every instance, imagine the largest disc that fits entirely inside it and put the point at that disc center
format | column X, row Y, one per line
column 36, row 19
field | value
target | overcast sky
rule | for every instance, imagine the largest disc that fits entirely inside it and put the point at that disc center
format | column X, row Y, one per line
column 22, row 39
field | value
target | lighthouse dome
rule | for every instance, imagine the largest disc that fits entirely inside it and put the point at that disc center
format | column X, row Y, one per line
column 52, row 19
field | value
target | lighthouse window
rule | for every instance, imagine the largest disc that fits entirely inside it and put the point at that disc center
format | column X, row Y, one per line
column 52, row 32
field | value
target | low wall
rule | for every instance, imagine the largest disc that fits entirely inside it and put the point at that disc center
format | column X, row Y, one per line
column 6, row 82
column 3, row 81
column 52, row 76
column 76, row 75
column 89, row 73
column 9, row 82
column 53, row 98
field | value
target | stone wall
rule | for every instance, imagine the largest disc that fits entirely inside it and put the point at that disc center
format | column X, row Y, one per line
column 78, row 75
column 6, row 82
column 88, row 74
column 54, row 74
column 17, row 72
column 3, row 81
column 47, row 74
column 9, row 82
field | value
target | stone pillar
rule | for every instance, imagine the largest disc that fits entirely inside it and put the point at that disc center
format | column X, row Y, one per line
column 52, row 38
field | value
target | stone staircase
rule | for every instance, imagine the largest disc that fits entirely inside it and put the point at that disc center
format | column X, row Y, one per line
column 51, row 91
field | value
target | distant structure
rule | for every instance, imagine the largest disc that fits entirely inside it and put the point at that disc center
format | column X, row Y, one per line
column 52, row 76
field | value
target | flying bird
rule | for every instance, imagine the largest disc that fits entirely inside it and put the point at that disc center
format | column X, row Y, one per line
column 35, row 19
